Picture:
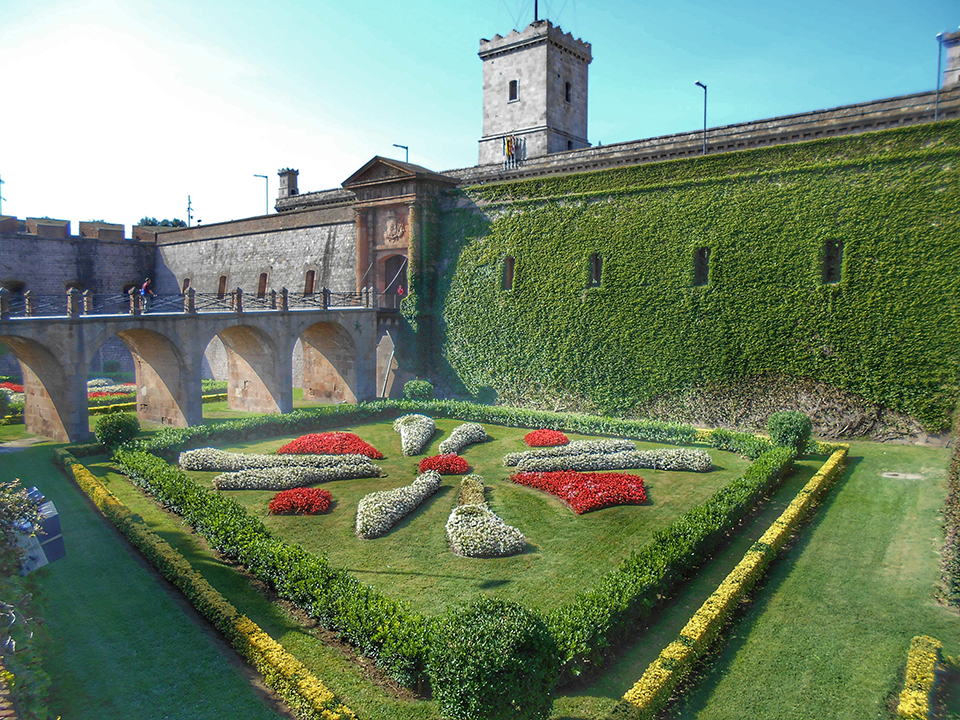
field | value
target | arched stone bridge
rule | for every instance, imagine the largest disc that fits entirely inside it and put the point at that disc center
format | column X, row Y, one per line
column 339, row 347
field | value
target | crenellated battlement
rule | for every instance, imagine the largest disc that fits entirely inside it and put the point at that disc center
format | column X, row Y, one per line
column 535, row 33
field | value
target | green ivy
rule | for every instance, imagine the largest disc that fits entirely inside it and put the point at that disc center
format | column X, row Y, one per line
column 889, row 330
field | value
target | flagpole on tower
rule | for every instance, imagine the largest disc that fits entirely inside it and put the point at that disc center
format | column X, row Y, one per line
column 536, row 13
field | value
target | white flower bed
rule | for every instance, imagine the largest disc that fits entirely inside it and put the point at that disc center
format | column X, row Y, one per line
column 681, row 459
column 284, row 478
column 99, row 383
column 463, row 435
column 380, row 511
column 577, row 447
column 471, row 491
column 214, row 459
column 415, row 432
column 476, row 531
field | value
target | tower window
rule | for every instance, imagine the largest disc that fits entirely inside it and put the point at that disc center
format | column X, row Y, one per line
column 262, row 286
column 569, row 144
column 566, row 92
column 186, row 285
column 832, row 261
column 596, row 270
column 308, row 283
column 514, row 90
column 701, row 266
column 508, row 263
column 222, row 288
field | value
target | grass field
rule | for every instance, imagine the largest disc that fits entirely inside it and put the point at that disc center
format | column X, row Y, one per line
column 826, row 637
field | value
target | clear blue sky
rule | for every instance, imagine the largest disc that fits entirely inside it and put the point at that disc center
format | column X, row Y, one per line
column 116, row 109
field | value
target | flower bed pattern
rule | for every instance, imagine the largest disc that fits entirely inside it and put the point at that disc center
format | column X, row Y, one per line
column 330, row 443
column 415, row 432
column 205, row 459
column 283, row 478
column 301, row 501
column 449, row 464
column 578, row 447
column 585, row 492
column 463, row 435
column 545, row 438
column 476, row 531
column 380, row 511
column 681, row 459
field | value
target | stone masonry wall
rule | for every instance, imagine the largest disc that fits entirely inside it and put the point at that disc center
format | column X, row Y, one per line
column 47, row 266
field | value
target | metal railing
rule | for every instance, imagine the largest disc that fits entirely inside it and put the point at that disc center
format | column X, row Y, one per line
column 75, row 303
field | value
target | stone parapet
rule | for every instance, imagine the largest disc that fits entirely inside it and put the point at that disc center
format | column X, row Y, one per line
column 844, row 120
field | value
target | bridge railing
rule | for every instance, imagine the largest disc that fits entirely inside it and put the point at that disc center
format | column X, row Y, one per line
column 75, row 304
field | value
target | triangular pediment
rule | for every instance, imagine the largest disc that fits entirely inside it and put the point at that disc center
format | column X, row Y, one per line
column 385, row 170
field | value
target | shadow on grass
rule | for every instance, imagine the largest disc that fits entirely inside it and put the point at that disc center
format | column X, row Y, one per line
column 695, row 692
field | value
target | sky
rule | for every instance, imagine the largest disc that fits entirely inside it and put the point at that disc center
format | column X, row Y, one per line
column 119, row 109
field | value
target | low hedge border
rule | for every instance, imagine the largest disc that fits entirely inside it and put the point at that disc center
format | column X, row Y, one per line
column 651, row 692
column 128, row 406
column 386, row 629
column 301, row 690
column 169, row 442
column 916, row 700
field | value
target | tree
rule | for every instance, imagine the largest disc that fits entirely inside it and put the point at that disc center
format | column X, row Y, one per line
column 153, row 222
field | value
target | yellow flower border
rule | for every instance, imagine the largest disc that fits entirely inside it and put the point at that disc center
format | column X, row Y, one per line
column 917, row 696
column 651, row 692
column 300, row 688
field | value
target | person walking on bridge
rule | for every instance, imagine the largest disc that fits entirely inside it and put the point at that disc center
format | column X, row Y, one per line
column 147, row 294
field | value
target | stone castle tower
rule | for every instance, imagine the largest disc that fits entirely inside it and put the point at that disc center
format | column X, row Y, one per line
column 534, row 94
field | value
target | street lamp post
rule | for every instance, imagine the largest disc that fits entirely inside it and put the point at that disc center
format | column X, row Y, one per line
column 266, row 193
column 704, row 115
column 936, row 110
column 404, row 147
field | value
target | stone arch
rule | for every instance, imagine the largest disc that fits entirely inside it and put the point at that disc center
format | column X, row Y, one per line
column 164, row 391
column 55, row 394
column 259, row 377
column 329, row 363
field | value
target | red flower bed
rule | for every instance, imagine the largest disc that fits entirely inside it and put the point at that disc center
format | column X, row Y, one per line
column 330, row 443
column 545, row 438
column 12, row 387
column 449, row 464
column 301, row 501
column 584, row 492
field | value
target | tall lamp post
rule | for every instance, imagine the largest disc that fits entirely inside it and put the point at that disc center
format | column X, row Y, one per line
column 266, row 195
column 704, row 115
column 936, row 110
column 404, row 147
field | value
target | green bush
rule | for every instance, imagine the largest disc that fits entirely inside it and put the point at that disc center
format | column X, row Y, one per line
column 493, row 660
column 4, row 403
column 789, row 429
column 116, row 428
column 418, row 390
column 745, row 444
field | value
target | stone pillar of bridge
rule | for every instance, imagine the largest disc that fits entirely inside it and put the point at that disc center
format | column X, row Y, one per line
column 259, row 373
column 168, row 381
column 54, row 386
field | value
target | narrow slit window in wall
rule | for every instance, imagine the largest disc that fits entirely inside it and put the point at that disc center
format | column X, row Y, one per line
column 832, row 261
column 308, row 283
column 186, row 285
column 701, row 266
column 567, row 92
column 262, row 286
column 222, row 288
column 508, row 263
column 514, row 90
column 596, row 270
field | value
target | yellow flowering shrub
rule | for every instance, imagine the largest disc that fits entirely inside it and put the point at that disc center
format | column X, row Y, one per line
column 302, row 690
column 657, row 684
column 917, row 695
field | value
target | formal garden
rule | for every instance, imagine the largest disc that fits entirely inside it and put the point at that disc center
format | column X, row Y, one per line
column 428, row 559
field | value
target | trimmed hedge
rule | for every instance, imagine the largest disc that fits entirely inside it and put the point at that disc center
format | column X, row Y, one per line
column 299, row 688
column 916, row 700
column 651, row 692
column 949, row 588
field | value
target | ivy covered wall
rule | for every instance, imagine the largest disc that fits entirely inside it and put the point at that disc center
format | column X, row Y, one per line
column 888, row 329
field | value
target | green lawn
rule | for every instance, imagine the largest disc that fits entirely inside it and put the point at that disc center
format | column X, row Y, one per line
column 567, row 553
column 826, row 636
column 124, row 644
